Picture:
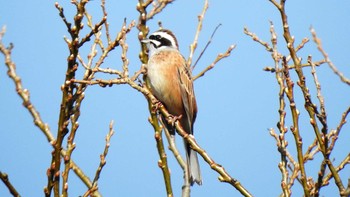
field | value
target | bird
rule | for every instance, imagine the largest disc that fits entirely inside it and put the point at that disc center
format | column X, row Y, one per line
column 171, row 83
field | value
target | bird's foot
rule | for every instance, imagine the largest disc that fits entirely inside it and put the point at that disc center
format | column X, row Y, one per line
column 172, row 119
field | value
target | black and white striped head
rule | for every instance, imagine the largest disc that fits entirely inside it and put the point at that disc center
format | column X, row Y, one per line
column 161, row 39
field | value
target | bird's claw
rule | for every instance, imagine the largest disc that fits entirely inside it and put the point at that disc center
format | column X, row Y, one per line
column 172, row 119
column 156, row 105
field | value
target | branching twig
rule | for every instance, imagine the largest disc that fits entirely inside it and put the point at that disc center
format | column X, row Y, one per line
column 257, row 39
column 94, row 30
column 272, row 69
column 341, row 166
column 172, row 146
column 158, row 6
column 218, row 58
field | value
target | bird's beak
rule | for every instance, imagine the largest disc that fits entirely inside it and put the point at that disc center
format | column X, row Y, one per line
column 146, row 41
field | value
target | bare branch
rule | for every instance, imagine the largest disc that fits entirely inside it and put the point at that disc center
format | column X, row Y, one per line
column 158, row 6
column 224, row 176
column 218, row 58
column 206, row 46
column 193, row 46
column 333, row 136
column 22, row 92
column 94, row 29
column 257, row 39
column 317, row 64
column 325, row 55
column 5, row 179
column 94, row 186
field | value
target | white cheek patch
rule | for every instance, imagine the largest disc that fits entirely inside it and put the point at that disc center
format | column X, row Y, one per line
column 155, row 43
column 153, row 47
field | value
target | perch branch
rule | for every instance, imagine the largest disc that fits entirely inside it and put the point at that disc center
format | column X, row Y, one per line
column 224, row 176
column 143, row 31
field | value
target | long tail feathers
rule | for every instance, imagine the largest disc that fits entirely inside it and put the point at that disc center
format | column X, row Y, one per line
column 193, row 166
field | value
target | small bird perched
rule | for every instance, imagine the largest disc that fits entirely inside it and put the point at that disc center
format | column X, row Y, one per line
column 170, row 81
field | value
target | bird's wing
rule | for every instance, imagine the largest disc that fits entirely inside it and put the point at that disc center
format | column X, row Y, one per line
column 187, row 94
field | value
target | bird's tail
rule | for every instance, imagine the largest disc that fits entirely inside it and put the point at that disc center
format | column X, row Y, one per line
column 193, row 165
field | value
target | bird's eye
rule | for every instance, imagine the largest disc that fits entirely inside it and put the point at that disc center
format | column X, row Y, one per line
column 155, row 37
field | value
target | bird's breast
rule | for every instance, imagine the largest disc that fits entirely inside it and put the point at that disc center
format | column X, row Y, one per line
column 162, row 73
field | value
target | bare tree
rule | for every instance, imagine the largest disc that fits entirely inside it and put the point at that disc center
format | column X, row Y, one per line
column 293, row 169
column 99, row 42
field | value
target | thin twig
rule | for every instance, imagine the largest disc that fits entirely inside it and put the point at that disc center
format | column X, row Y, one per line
column 103, row 7
column 193, row 46
column 22, row 92
column 94, row 186
column 333, row 136
column 311, row 151
column 172, row 146
column 282, row 143
column 257, row 39
column 295, row 128
column 157, row 7
column 325, row 55
column 186, row 188
column 299, row 47
column 163, row 161
column 5, row 179
column 272, row 69
column 206, row 46
column 94, row 30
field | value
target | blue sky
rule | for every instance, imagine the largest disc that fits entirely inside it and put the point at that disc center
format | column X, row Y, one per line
column 237, row 101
